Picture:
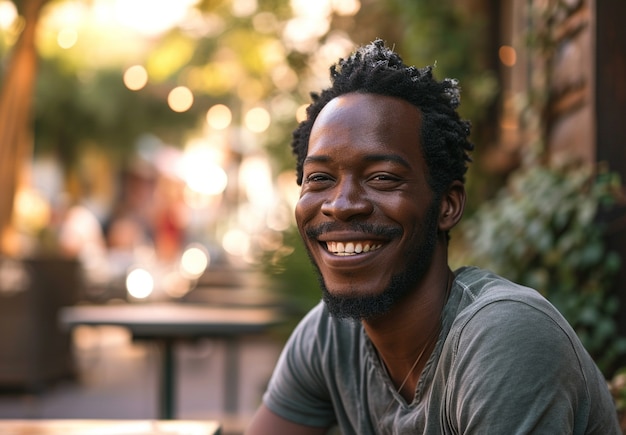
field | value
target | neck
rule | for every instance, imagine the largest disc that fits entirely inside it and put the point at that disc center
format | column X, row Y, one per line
column 406, row 336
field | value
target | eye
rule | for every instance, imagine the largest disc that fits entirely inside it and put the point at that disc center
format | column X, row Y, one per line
column 384, row 180
column 384, row 177
column 317, row 179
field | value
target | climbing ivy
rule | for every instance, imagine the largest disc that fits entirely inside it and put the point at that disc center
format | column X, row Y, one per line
column 541, row 231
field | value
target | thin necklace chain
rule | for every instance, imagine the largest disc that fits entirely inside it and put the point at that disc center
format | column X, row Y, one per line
column 426, row 346
column 419, row 357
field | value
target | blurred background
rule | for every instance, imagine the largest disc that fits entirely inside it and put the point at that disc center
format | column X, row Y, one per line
column 144, row 157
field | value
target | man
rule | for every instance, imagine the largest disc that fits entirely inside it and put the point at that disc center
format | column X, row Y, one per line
column 400, row 343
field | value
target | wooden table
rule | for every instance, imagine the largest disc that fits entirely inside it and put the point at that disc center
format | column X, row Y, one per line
column 167, row 323
column 108, row 427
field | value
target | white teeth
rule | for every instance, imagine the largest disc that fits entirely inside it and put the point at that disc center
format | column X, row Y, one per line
column 351, row 248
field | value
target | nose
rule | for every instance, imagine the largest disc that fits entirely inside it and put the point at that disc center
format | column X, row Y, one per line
column 347, row 200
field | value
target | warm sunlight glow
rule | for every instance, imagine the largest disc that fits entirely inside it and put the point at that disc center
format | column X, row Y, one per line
column 135, row 77
column 219, row 117
column 255, row 176
column 508, row 55
column 257, row 120
column 180, row 99
column 206, row 178
column 311, row 20
column 32, row 211
column 8, row 14
column 139, row 283
column 66, row 38
column 201, row 173
column 152, row 17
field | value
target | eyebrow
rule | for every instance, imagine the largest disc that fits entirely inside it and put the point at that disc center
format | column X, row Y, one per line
column 368, row 158
column 387, row 158
column 316, row 159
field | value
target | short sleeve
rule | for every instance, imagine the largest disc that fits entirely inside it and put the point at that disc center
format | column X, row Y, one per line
column 297, row 390
column 517, row 371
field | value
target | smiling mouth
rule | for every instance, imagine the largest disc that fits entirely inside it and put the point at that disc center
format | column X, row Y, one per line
column 343, row 249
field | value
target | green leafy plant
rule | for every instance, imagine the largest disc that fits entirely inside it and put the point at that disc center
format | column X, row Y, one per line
column 541, row 230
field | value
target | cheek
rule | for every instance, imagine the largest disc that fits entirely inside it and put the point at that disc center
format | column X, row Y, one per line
column 306, row 209
column 400, row 208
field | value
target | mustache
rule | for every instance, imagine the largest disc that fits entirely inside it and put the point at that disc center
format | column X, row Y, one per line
column 361, row 227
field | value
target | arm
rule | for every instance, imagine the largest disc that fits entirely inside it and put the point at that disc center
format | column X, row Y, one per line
column 297, row 400
column 265, row 422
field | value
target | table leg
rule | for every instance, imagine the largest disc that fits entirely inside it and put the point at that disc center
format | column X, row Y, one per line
column 231, row 376
column 167, row 397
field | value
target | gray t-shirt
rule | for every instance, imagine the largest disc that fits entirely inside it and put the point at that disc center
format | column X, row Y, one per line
column 505, row 362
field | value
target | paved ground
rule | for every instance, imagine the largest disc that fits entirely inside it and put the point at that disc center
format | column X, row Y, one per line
column 117, row 379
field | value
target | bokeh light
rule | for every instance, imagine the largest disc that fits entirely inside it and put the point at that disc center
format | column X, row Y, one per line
column 201, row 172
column 152, row 17
column 236, row 242
column 508, row 55
column 180, row 99
column 257, row 120
column 8, row 14
column 206, row 178
column 194, row 261
column 135, row 77
column 244, row 8
column 219, row 117
column 255, row 175
column 67, row 38
column 139, row 283
column 32, row 212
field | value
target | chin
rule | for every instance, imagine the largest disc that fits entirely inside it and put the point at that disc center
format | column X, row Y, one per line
column 353, row 304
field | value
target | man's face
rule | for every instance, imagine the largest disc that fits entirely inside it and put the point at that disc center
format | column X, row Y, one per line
column 366, row 212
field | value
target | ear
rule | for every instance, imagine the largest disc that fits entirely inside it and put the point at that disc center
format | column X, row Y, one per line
column 452, row 206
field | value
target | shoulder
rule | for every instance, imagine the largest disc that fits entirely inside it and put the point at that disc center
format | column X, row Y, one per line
column 494, row 309
column 509, row 345
column 511, row 335
column 493, row 298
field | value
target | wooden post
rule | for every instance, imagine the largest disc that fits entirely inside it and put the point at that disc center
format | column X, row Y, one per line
column 16, row 101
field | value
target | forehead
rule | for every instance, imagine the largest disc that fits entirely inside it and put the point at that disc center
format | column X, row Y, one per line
column 361, row 121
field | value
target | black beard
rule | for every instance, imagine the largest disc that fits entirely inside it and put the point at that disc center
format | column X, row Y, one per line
column 418, row 260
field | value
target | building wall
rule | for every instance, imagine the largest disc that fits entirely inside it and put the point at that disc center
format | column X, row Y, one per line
column 610, row 119
column 587, row 108
column 577, row 60
column 571, row 120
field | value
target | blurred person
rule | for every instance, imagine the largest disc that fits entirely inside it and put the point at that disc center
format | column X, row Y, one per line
column 129, row 228
column 401, row 343
column 170, row 219
column 80, row 234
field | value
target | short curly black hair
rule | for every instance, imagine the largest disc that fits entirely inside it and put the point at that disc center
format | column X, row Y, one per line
column 377, row 69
